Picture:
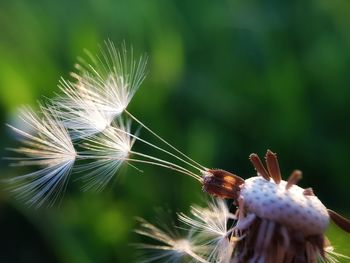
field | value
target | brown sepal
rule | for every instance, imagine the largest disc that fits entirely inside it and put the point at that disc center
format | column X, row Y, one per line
column 273, row 166
column 222, row 184
column 259, row 167
column 293, row 178
column 308, row 192
column 339, row 220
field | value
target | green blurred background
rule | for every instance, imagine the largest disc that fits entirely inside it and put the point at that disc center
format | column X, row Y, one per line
column 226, row 78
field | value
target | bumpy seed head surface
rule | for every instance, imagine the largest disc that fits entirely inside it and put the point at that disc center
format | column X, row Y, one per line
column 289, row 207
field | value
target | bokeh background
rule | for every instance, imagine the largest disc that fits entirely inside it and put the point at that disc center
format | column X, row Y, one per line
column 226, row 78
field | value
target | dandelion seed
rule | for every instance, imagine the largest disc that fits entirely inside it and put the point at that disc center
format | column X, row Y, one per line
column 332, row 256
column 81, row 110
column 113, row 75
column 108, row 150
column 104, row 88
column 171, row 247
column 212, row 226
column 49, row 147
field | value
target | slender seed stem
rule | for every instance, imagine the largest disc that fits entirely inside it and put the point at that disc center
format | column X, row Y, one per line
column 158, row 148
column 157, row 162
column 196, row 257
column 200, row 167
column 163, row 165
column 165, row 162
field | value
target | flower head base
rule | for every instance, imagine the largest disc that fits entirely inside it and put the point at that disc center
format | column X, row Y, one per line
column 288, row 207
column 277, row 220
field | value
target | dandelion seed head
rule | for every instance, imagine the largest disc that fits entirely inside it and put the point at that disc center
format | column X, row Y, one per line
column 278, row 221
column 288, row 207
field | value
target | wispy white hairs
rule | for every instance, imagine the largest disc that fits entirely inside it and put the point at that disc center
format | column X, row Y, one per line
column 208, row 238
column 105, row 84
column 107, row 151
column 80, row 110
column 171, row 246
column 212, row 226
column 49, row 147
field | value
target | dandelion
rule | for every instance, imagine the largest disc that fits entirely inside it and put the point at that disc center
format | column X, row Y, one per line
column 275, row 221
column 49, row 147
